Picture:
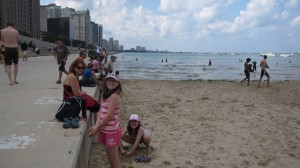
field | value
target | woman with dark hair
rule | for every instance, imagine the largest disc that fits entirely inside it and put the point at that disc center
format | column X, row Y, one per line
column 72, row 87
column 71, row 83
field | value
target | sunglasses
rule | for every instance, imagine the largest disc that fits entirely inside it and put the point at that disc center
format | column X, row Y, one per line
column 79, row 67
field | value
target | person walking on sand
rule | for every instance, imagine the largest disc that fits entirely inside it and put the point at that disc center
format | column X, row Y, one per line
column 247, row 69
column 264, row 66
column 108, row 124
column 10, row 38
column 61, row 54
column 135, row 134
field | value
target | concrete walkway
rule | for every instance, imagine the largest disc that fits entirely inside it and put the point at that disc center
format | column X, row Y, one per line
column 30, row 136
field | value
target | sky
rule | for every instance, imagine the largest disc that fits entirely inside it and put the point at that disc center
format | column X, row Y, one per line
column 197, row 25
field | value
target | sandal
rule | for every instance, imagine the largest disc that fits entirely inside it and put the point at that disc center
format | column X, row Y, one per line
column 58, row 82
column 144, row 159
column 16, row 82
column 75, row 122
column 67, row 122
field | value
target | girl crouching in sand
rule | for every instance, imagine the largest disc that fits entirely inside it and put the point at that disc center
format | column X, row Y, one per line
column 108, row 125
column 135, row 134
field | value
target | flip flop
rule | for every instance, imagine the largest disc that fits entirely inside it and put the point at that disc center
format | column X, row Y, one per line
column 16, row 82
column 75, row 122
column 67, row 122
column 144, row 159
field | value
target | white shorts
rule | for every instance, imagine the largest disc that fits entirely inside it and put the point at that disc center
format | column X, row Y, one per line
column 25, row 52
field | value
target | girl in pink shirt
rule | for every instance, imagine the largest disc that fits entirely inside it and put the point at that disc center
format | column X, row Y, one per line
column 108, row 125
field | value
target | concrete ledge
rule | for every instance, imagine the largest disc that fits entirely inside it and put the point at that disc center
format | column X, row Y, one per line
column 30, row 137
column 82, row 158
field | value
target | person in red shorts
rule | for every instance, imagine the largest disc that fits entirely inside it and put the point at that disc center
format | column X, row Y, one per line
column 108, row 124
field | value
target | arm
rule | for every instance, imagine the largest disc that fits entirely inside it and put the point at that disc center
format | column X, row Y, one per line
column 136, row 143
column 73, row 81
column 114, row 100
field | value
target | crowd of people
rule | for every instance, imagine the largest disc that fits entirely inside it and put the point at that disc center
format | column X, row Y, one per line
column 98, row 71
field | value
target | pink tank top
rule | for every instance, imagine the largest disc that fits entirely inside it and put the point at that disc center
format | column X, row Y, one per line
column 114, row 124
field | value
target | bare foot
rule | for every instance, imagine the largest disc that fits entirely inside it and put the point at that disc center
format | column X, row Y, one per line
column 148, row 149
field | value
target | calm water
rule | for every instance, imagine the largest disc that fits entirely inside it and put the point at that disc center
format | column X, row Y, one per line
column 194, row 66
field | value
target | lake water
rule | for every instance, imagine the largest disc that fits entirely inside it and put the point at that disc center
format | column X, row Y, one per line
column 194, row 66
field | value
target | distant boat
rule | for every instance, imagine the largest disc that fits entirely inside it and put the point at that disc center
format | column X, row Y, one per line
column 269, row 54
column 285, row 55
column 235, row 53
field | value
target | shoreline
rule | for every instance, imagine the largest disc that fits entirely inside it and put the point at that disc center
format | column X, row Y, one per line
column 212, row 124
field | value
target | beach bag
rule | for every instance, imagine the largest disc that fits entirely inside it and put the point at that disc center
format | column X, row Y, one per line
column 70, row 108
column 91, row 103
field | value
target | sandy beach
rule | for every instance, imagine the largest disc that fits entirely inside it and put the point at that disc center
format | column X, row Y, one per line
column 212, row 124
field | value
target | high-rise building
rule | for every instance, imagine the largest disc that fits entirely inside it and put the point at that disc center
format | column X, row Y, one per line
column 66, row 12
column 110, row 44
column 95, row 33
column 100, row 36
column 81, row 25
column 25, row 14
column 138, row 48
column 59, row 27
column 116, row 45
column 121, row 47
column 48, row 11
column 105, row 44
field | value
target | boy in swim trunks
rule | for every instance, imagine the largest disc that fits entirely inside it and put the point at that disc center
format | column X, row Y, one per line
column 263, row 72
column 247, row 70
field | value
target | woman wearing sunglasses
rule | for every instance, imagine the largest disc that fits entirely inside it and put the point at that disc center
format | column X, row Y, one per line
column 72, row 88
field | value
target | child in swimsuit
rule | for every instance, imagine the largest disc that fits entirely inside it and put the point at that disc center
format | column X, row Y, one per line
column 134, row 135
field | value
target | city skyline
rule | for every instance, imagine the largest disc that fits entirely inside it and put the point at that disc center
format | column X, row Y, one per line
column 197, row 26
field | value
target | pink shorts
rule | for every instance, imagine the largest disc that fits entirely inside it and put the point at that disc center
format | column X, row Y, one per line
column 110, row 140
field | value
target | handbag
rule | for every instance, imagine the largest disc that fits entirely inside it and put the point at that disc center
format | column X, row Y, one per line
column 70, row 108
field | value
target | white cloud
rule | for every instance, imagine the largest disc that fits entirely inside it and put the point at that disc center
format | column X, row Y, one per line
column 177, row 22
column 291, row 3
column 296, row 21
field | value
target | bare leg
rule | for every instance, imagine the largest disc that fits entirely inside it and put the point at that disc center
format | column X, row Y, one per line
column 268, row 81
column 65, row 72
column 248, row 81
column 16, row 70
column 259, row 82
column 123, row 151
column 8, row 70
column 147, row 139
column 59, row 77
column 113, row 157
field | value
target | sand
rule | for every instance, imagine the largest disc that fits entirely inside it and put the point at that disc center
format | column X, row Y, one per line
column 212, row 124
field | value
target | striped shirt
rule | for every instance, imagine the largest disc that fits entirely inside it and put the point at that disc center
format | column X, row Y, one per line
column 114, row 124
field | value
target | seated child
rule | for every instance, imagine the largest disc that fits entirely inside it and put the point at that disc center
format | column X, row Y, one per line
column 88, row 77
column 134, row 135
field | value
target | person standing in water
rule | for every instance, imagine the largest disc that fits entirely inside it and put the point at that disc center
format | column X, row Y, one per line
column 247, row 69
column 264, row 66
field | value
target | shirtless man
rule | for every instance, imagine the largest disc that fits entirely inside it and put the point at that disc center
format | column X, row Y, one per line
column 10, row 38
column 264, row 65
